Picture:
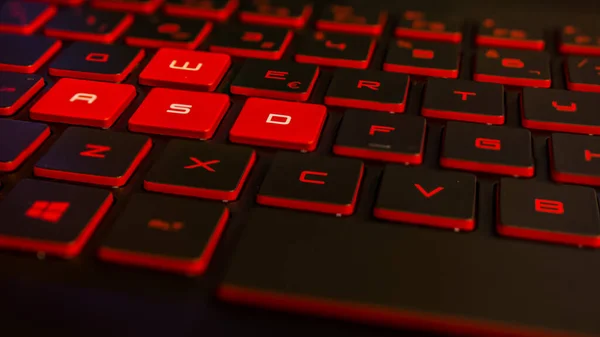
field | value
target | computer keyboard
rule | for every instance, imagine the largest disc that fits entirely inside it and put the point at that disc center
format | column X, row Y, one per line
column 411, row 169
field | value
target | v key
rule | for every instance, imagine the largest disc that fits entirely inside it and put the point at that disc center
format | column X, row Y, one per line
column 429, row 194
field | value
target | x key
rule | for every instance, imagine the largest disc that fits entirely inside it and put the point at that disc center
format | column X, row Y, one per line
column 204, row 165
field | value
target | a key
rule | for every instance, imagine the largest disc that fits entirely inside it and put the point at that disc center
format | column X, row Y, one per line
column 352, row 18
column 575, row 159
column 276, row 13
column 583, row 73
column 16, row 90
column 19, row 139
column 137, row 6
column 79, row 23
column 495, row 33
column 167, row 32
column 423, row 58
column 421, row 26
column 21, row 17
column 579, row 41
column 336, row 50
column 251, row 41
column 513, row 67
column 216, row 10
column 27, row 53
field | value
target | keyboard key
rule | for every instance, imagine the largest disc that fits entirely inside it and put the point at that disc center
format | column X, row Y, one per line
column 99, row 62
column 251, row 41
column 16, row 90
column 353, row 19
column 423, row 58
column 19, row 140
column 27, row 53
column 82, row 102
column 575, row 159
column 166, row 233
column 92, row 156
column 336, row 50
column 279, row 124
column 64, row 2
column 560, row 110
column 276, row 13
column 418, row 25
column 463, row 100
column 80, row 23
column 540, row 211
column 22, row 17
column 315, row 184
column 180, row 113
column 426, row 197
column 275, row 79
column 583, row 73
column 137, row 6
column 513, row 67
column 217, row 10
column 578, row 41
column 493, row 33
column 51, row 218
column 185, row 69
column 152, row 32
column 368, row 90
column 491, row 149
column 201, row 170
column 379, row 136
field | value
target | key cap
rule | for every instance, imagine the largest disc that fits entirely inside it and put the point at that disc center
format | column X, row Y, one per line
column 357, row 18
column 513, row 67
column 81, row 102
column 99, row 62
column 379, row 136
column 423, row 58
column 51, row 218
column 251, row 41
column 583, row 73
column 137, row 6
column 22, row 17
column 180, row 113
column 276, row 13
column 201, row 170
column 418, row 25
column 464, row 101
column 80, row 23
column 368, row 90
column 279, row 124
column 491, row 149
column 336, row 50
column 16, row 90
column 495, row 33
column 169, row 32
column 19, row 139
column 574, row 159
column 427, row 197
column 275, row 79
column 64, row 2
column 27, row 53
column 316, row 184
column 560, row 110
column 579, row 41
column 540, row 211
column 216, row 10
column 96, row 157
column 166, row 233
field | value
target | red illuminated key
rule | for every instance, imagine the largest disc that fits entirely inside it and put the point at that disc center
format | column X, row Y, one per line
column 81, row 23
column 418, row 25
column 354, row 19
column 578, row 41
column 280, row 124
column 138, row 6
column 150, row 32
column 575, row 159
column 276, row 13
column 217, row 10
column 423, row 58
column 583, row 73
column 336, row 50
column 19, row 140
column 16, row 90
column 497, row 34
column 24, row 17
column 27, row 53
column 83, row 102
column 64, row 2
column 180, row 113
column 251, row 41
column 513, row 67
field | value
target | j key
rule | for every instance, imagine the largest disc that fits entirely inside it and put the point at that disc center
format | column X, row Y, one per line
column 418, row 25
column 51, row 218
column 368, row 89
column 379, row 136
column 494, row 33
column 19, row 140
column 336, row 50
column 464, row 101
column 201, row 170
column 180, row 113
column 165, row 233
column 316, row 184
column 86, row 24
column 82, row 102
column 152, row 32
column 216, row 10
column 583, row 73
column 513, row 67
column 541, row 211
column 423, row 58
column 276, row 13
column 575, row 159
column 96, row 157
column 27, row 53
column 275, row 79
column 279, row 124
column 352, row 18
column 491, row 149
column 16, row 90
column 251, row 41
column 24, row 17
column 100, row 62
column 137, row 6
column 575, row 40
column 426, row 197
column 560, row 110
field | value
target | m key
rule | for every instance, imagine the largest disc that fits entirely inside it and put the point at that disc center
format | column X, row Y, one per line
column 575, row 159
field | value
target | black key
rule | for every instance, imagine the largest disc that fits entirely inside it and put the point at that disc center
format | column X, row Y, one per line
column 100, row 62
column 281, row 13
column 16, row 90
column 167, row 32
column 423, row 58
column 217, row 10
column 583, row 73
column 79, row 23
column 166, row 233
column 426, row 197
column 560, row 110
column 575, row 159
column 202, row 170
column 580, row 41
column 379, row 136
column 353, row 18
column 27, row 53
column 336, row 50
column 368, row 90
column 51, row 218
column 251, row 41
column 464, row 101
column 492, row 149
column 275, row 79
column 19, row 139
column 541, row 211
column 94, row 156
column 419, row 25
column 506, row 34
column 513, row 67
column 137, row 6
column 312, row 183
column 22, row 17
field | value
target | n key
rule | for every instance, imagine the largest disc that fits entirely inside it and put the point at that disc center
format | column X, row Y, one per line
column 16, row 90
column 575, row 159
column 513, row 67
column 583, row 73
column 336, row 50
column 80, row 23
column 423, row 58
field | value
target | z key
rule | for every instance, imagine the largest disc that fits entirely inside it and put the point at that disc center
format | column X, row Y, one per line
column 420, row 26
column 507, row 35
column 513, row 67
column 280, row 13
column 336, row 50
column 423, row 58
column 583, row 73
